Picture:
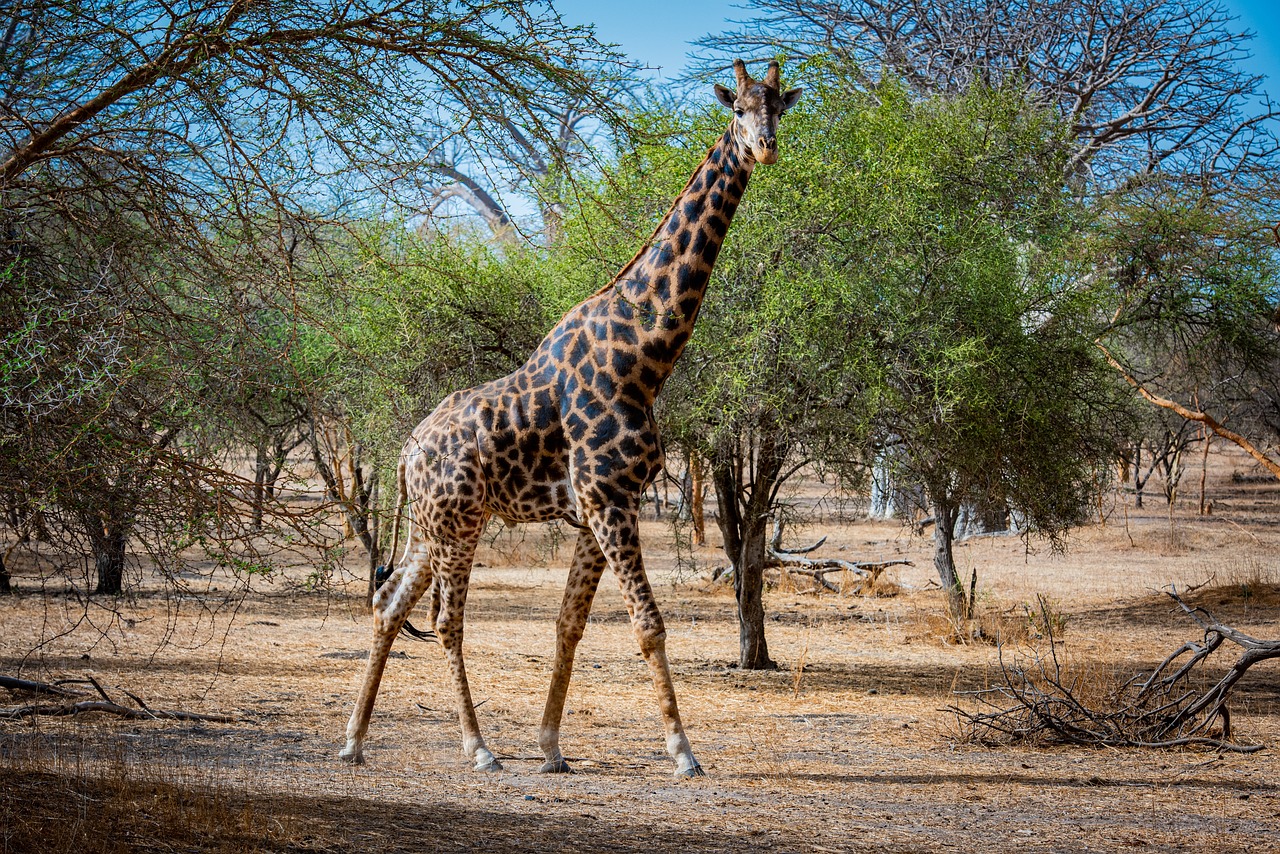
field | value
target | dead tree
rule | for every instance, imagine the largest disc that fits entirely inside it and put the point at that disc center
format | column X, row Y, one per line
column 1173, row 706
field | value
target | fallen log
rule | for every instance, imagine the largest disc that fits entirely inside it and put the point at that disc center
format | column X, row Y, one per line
column 15, row 684
column 790, row 561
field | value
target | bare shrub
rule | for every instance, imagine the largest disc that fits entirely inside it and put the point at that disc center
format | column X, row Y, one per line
column 1046, row 698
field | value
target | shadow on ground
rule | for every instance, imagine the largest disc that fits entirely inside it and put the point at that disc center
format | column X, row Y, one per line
column 57, row 813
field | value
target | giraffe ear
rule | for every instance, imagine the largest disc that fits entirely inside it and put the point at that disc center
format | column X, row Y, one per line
column 790, row 97
column 726, row 95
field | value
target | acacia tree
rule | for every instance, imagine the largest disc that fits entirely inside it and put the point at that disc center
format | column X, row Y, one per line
column 990, row 387
column 166, row 172
column 534, row 168
column 895, row 277
column 1193, row 327
column 1169, row 141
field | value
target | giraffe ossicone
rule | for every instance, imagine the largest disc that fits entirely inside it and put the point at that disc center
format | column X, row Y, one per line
column 571, row 435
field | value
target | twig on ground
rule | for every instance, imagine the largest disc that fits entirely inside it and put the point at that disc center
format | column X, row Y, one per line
column 68, row 709
column 789, row 561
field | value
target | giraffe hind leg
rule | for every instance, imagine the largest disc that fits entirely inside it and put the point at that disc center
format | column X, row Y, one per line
column 392, row 603
column 451, row 563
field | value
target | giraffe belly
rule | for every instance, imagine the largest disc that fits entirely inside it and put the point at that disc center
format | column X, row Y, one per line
column 535, row 501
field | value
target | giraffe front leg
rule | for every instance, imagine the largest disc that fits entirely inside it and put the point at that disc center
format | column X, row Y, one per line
column 584, row 578
column 391, row 606
column 617, row 532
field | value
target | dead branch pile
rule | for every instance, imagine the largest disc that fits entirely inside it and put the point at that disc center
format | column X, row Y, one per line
column 74, row 704
column 793, row 562
column 1174, row 705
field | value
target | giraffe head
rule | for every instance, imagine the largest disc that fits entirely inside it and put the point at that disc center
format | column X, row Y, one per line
column 757, row 105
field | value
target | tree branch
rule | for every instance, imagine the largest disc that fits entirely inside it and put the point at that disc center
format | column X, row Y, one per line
column 1193, row 415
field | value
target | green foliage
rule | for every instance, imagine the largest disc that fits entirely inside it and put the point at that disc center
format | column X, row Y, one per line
column 1193, row 278
column 415, row 321
column 899, row 279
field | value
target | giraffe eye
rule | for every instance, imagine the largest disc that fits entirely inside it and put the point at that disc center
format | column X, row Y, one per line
column 737, row 112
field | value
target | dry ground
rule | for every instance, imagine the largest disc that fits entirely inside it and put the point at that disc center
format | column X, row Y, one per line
column 846, row 747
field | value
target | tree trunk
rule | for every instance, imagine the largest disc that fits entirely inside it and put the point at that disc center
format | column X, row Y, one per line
column 748, row 589
column 1138, row 480
column 108, row 543
column 944, row 528
column 260, row 466
column 882, row 486
column 697, row 489
column 358, row 504
column 744, row 493
column 1204, row 473
column 5, row 586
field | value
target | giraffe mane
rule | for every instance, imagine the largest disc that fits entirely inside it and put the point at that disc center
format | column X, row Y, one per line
column 648, row 244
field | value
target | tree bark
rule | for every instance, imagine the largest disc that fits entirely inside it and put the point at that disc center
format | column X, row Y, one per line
column 107, row 542
column 260, row 465
column 744, row 493
column 944, row 525
column 697, row 489
column 1138, row 481
column 748, row 589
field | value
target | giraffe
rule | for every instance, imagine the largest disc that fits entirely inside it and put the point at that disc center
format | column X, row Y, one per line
column 571, row 436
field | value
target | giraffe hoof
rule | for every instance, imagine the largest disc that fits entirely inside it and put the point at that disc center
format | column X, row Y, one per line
column 354, row 755
column 555, row 766
column 491, row 765
column 690, row 773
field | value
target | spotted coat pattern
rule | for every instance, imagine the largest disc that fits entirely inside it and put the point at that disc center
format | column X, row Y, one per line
column 571, row 436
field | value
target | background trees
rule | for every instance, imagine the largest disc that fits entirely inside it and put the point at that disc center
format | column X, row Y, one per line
column 1158, row 118
column 991, row 221
column 1166, row 151
column 172, row 177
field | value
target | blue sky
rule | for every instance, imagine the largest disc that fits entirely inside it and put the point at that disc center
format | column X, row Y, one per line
column 658, row 32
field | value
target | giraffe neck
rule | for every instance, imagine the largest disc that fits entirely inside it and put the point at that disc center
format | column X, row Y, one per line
column 658, row 295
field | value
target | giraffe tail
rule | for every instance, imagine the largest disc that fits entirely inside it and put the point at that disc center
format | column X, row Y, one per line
column 384, row 572
column 395, row 524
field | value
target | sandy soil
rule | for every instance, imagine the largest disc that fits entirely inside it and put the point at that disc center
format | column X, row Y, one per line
column 846, row 747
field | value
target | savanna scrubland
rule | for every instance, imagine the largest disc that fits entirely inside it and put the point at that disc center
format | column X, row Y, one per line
column 1005, row 309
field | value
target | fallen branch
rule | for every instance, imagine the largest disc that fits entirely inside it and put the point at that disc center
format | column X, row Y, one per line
column 14, row 684
column 68, row 709
column 1167, row 708
column 106, row 704
column 789, row 560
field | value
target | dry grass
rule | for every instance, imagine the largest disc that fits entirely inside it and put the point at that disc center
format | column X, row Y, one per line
column 54, row 802
column 845, row 748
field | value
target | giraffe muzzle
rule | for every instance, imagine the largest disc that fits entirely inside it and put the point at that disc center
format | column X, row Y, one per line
column 766, row 149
